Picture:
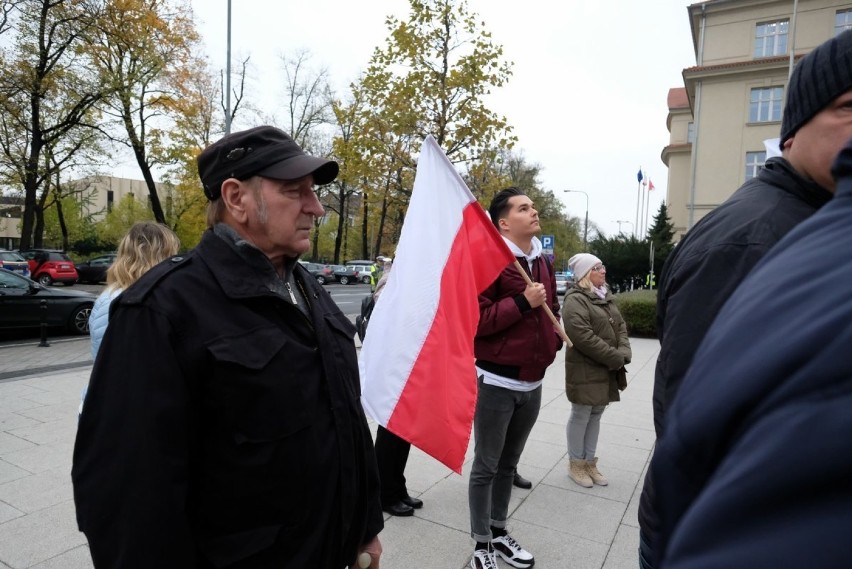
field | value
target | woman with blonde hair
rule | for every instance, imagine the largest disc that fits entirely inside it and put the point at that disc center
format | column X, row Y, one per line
column 146, row 244
column 594, row 365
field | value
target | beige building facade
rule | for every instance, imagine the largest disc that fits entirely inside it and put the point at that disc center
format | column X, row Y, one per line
column 732, row 99
column 98, row 195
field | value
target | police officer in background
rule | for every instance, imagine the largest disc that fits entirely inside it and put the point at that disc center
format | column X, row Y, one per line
column 223, row 426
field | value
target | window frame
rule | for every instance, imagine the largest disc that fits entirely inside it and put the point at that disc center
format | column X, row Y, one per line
column 752, row 167
column 844, row 23
column 773, row 105
column 769, row 43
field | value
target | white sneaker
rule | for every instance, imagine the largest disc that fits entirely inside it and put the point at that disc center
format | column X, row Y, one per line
column 483, row 559
column 512, row 553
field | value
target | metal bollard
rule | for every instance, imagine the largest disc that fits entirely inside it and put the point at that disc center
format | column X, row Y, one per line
column 44, row 343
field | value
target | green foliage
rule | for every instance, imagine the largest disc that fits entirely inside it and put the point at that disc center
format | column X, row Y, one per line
column 639, row 309
column 626, row 259
column 123, row 215
column 661, row 234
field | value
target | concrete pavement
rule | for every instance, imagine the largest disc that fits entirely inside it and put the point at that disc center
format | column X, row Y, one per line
column 562, row 524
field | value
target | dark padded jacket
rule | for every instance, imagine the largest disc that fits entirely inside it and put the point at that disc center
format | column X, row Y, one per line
column 514, row 340
column 223, row 426
column 755, row 465
column 705, row 269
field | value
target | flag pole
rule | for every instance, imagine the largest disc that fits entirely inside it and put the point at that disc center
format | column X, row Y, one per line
column 647, row 207
column 547, row 310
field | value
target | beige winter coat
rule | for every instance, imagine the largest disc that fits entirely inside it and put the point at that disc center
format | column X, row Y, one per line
column 594, row 366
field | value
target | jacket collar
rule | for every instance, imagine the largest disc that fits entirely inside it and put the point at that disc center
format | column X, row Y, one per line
column 780, row 173
column 250, row 279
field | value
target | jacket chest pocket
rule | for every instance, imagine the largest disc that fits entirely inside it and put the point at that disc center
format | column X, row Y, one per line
column 262, row 381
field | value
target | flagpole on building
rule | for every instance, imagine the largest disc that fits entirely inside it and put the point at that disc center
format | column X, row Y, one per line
column 547, row 310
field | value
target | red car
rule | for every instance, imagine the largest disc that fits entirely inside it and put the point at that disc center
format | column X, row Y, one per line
column 48, row 267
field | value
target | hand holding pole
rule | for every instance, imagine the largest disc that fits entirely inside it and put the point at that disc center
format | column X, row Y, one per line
column 546, row 308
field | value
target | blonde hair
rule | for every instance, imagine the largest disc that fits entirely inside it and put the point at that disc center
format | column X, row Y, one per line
column 586, row 283
column 145, row 245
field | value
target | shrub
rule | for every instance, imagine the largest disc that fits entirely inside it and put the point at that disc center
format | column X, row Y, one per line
column 639, row 308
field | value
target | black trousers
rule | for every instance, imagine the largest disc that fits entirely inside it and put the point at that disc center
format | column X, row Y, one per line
column 391, row 456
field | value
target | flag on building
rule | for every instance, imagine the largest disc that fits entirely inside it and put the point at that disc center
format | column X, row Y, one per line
column 417, row 365
column 650, row 185
column 639, row 175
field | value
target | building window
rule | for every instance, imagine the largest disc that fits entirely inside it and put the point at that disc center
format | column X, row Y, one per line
column 690, row 132
column 765, row 104
column 842, row 21
column 110, row 199
column 754, row 162
column 770, row 38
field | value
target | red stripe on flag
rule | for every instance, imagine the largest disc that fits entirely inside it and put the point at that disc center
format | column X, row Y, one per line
column 435, row 409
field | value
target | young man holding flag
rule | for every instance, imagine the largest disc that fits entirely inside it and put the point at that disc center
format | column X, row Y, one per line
column 515, row 343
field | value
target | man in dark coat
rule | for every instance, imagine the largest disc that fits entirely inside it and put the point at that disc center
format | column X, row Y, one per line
column 710, row 263
column 223, row 426
column 755, row 466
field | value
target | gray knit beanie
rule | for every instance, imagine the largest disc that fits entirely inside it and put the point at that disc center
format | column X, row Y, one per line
column 820, row 77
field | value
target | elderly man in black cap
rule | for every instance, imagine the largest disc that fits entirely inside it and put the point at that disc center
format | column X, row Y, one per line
column 223, row 426
column 719, row 252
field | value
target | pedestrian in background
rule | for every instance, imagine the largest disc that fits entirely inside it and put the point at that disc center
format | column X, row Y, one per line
column 594, row 365
column 145, row 245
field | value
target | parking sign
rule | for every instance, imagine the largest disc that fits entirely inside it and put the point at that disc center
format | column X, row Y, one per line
column 547, row 244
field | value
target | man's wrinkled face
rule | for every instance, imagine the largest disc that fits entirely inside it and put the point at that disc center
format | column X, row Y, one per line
column 813, row 148
column 281, row 216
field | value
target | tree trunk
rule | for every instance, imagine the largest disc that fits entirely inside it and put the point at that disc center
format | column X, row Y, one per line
column 62, row 226
column 341, row 219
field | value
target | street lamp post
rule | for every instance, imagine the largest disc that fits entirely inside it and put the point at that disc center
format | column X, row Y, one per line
column 620, row 221
column 586, row 224
column 228, row 77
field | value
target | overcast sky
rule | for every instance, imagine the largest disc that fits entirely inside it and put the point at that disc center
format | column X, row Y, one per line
column 587, row 99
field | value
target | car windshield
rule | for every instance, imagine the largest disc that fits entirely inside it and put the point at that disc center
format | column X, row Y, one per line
column 10, row 256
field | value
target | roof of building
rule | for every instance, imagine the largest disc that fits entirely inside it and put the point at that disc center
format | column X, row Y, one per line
column 677, row 98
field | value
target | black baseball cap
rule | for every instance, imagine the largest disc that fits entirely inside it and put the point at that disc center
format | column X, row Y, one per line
column 261, row 151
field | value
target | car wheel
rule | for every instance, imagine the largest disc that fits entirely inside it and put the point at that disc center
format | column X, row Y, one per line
column 79, row 321
column 366, row 280
column 344, row 280
column 45, row 280
column 321, row 279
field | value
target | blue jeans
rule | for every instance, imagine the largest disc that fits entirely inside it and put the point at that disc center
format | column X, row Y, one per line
column 501, row 425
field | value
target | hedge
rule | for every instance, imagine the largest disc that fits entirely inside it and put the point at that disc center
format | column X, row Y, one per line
column 639, row 308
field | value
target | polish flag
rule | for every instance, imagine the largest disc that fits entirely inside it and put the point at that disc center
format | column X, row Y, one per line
column 650, row 185
column 418, row 378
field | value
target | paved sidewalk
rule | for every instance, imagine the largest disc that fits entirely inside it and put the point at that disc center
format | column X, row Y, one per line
column 562, row 524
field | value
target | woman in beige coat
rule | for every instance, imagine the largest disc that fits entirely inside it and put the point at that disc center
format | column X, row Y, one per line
column 594, row 365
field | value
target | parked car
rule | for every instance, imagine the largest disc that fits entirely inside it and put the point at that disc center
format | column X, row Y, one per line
column 95, row 269
column 322, row 273
column 353, row 274
column 12, row 261
column 48, row 266
column 561, row 284
column 21, row 305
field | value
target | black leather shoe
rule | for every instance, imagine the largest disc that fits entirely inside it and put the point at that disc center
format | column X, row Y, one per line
column 399, row 509
column 521, row 482
column 412, row 502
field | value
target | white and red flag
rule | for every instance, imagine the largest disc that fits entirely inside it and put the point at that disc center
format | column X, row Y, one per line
column 417, row 365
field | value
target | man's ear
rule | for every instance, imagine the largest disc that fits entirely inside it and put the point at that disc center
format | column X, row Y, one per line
column 503, row 223
column 787, row 144
column 234, row 195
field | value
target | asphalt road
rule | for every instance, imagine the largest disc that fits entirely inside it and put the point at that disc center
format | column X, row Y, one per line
column 347, row 297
